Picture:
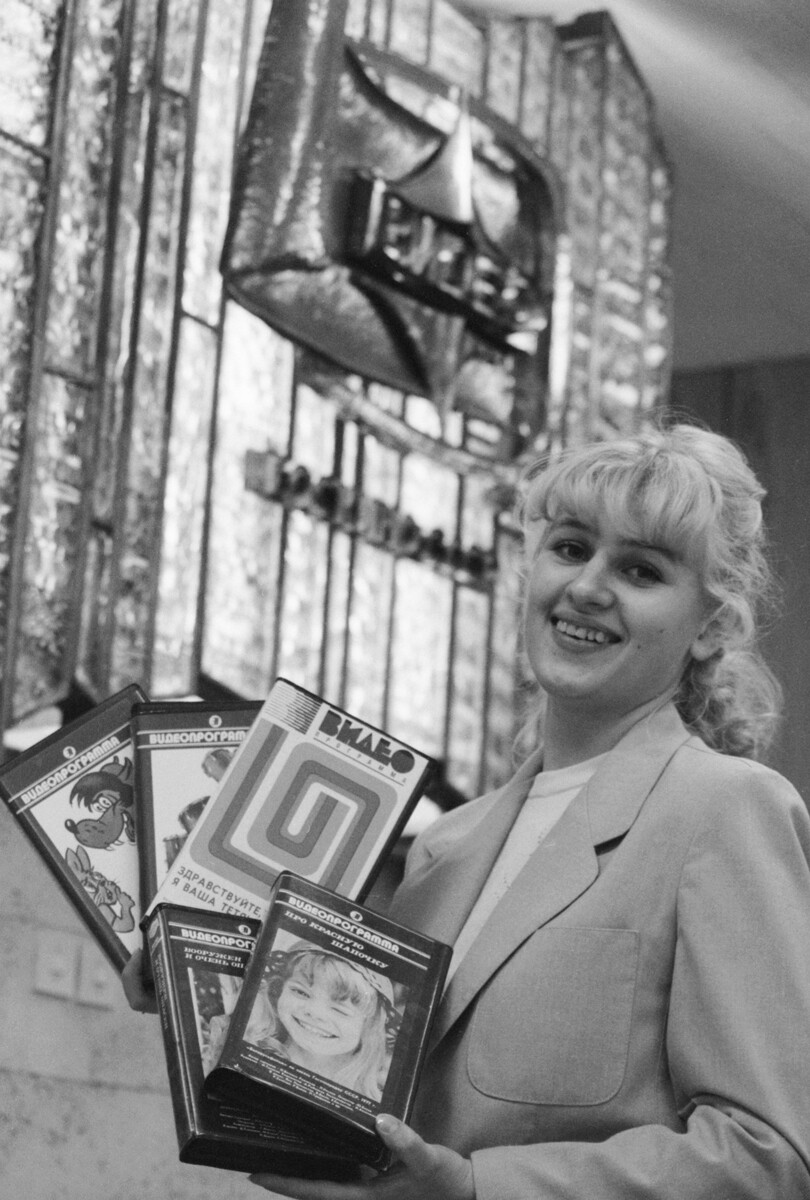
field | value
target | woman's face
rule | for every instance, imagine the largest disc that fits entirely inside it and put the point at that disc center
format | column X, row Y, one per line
column 611, row 621
column 316, row 1022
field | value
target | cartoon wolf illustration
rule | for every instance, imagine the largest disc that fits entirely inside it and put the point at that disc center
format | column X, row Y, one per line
column 109, row 796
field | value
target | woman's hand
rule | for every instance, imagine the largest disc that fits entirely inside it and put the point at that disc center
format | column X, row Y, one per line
column 139, row 991
column 423, row 1172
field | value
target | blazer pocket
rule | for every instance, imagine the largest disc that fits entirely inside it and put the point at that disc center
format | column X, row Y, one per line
column 553, row 1025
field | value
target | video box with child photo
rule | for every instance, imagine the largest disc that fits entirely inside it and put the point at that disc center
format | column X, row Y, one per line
column 198, row 963
column 331, row 1025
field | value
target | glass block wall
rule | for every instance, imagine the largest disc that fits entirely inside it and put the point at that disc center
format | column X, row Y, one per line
column 142, row 414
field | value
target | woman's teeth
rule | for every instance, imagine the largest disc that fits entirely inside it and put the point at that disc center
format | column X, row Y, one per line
column 582, row 634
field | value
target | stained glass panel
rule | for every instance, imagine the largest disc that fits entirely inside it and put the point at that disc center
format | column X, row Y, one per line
column 9, row 490
column 213, row 154
column 410, row 27
column 506, row 670
column 336, row 616
column 122, row 316
column 149, row 399
column 181, row 35
column 380, row 472
column 537, row 83
column 505, row 68
column 53, row 546
column 183, row 509
column 81, row 232
column 28, row 42
column 430, row 495
column 92, row 654
column 625, row 170
column 369, row 633
column 420, row 657
column 302, row 605
column 457, row 48
column 466, row 733
column 658, row 299
column 578, row 412
column 559, row 142
column 314, row 439
column 585, row 163
column 245, row 540
column 22, row 198
column 477, row 524
column 356, row 19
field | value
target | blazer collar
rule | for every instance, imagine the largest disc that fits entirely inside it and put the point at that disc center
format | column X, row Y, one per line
column 439, row 899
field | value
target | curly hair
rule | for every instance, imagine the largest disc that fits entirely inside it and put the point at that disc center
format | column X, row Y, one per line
column 692, row 490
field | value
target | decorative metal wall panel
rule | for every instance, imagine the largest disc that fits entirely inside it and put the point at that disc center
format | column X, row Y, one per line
column 340, row 187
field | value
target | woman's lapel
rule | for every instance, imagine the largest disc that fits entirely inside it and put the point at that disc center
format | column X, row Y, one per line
column 565, row 864
column 438, row 898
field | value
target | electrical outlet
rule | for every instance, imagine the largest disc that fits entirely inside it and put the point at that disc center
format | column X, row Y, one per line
column 56, row 965
column 98, row 984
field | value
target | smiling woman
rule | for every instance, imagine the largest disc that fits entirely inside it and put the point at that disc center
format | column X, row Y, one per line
column 628, row 1006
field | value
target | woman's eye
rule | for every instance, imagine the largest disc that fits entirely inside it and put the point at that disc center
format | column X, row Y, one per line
column 570, row 551
column 644, row 573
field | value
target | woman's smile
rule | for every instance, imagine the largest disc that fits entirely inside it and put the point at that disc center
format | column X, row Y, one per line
column 576, row 631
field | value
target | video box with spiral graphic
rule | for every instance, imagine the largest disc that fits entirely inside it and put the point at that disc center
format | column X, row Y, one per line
column 312, row 790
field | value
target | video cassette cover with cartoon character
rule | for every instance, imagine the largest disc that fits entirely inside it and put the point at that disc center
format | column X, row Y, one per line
column 331, row 1024
column 73, row 795
column 198, row 962
column 312, row 790
column 182, row 750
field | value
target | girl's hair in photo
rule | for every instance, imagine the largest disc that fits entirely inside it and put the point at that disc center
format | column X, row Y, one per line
column 366, row 990
column 693, row 492
column 217, row 761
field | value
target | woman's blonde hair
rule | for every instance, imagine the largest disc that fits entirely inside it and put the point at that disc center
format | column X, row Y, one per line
column 693, row 491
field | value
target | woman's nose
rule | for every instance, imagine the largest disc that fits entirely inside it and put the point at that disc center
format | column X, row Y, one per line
column 590, row 585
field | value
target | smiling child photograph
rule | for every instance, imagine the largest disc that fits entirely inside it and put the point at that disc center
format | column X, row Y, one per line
column 321, row 1011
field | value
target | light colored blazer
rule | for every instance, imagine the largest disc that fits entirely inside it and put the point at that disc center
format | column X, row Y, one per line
column 634, row 1019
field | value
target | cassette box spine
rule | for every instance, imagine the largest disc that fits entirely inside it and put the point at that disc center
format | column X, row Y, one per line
column 72, row 793
column 333, row 1020
column 198, row 963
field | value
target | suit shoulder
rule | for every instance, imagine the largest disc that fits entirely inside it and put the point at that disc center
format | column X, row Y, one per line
column 448, row 829
column 737, row 780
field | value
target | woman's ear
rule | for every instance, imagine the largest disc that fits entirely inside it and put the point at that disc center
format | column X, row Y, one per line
column 709, row 638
